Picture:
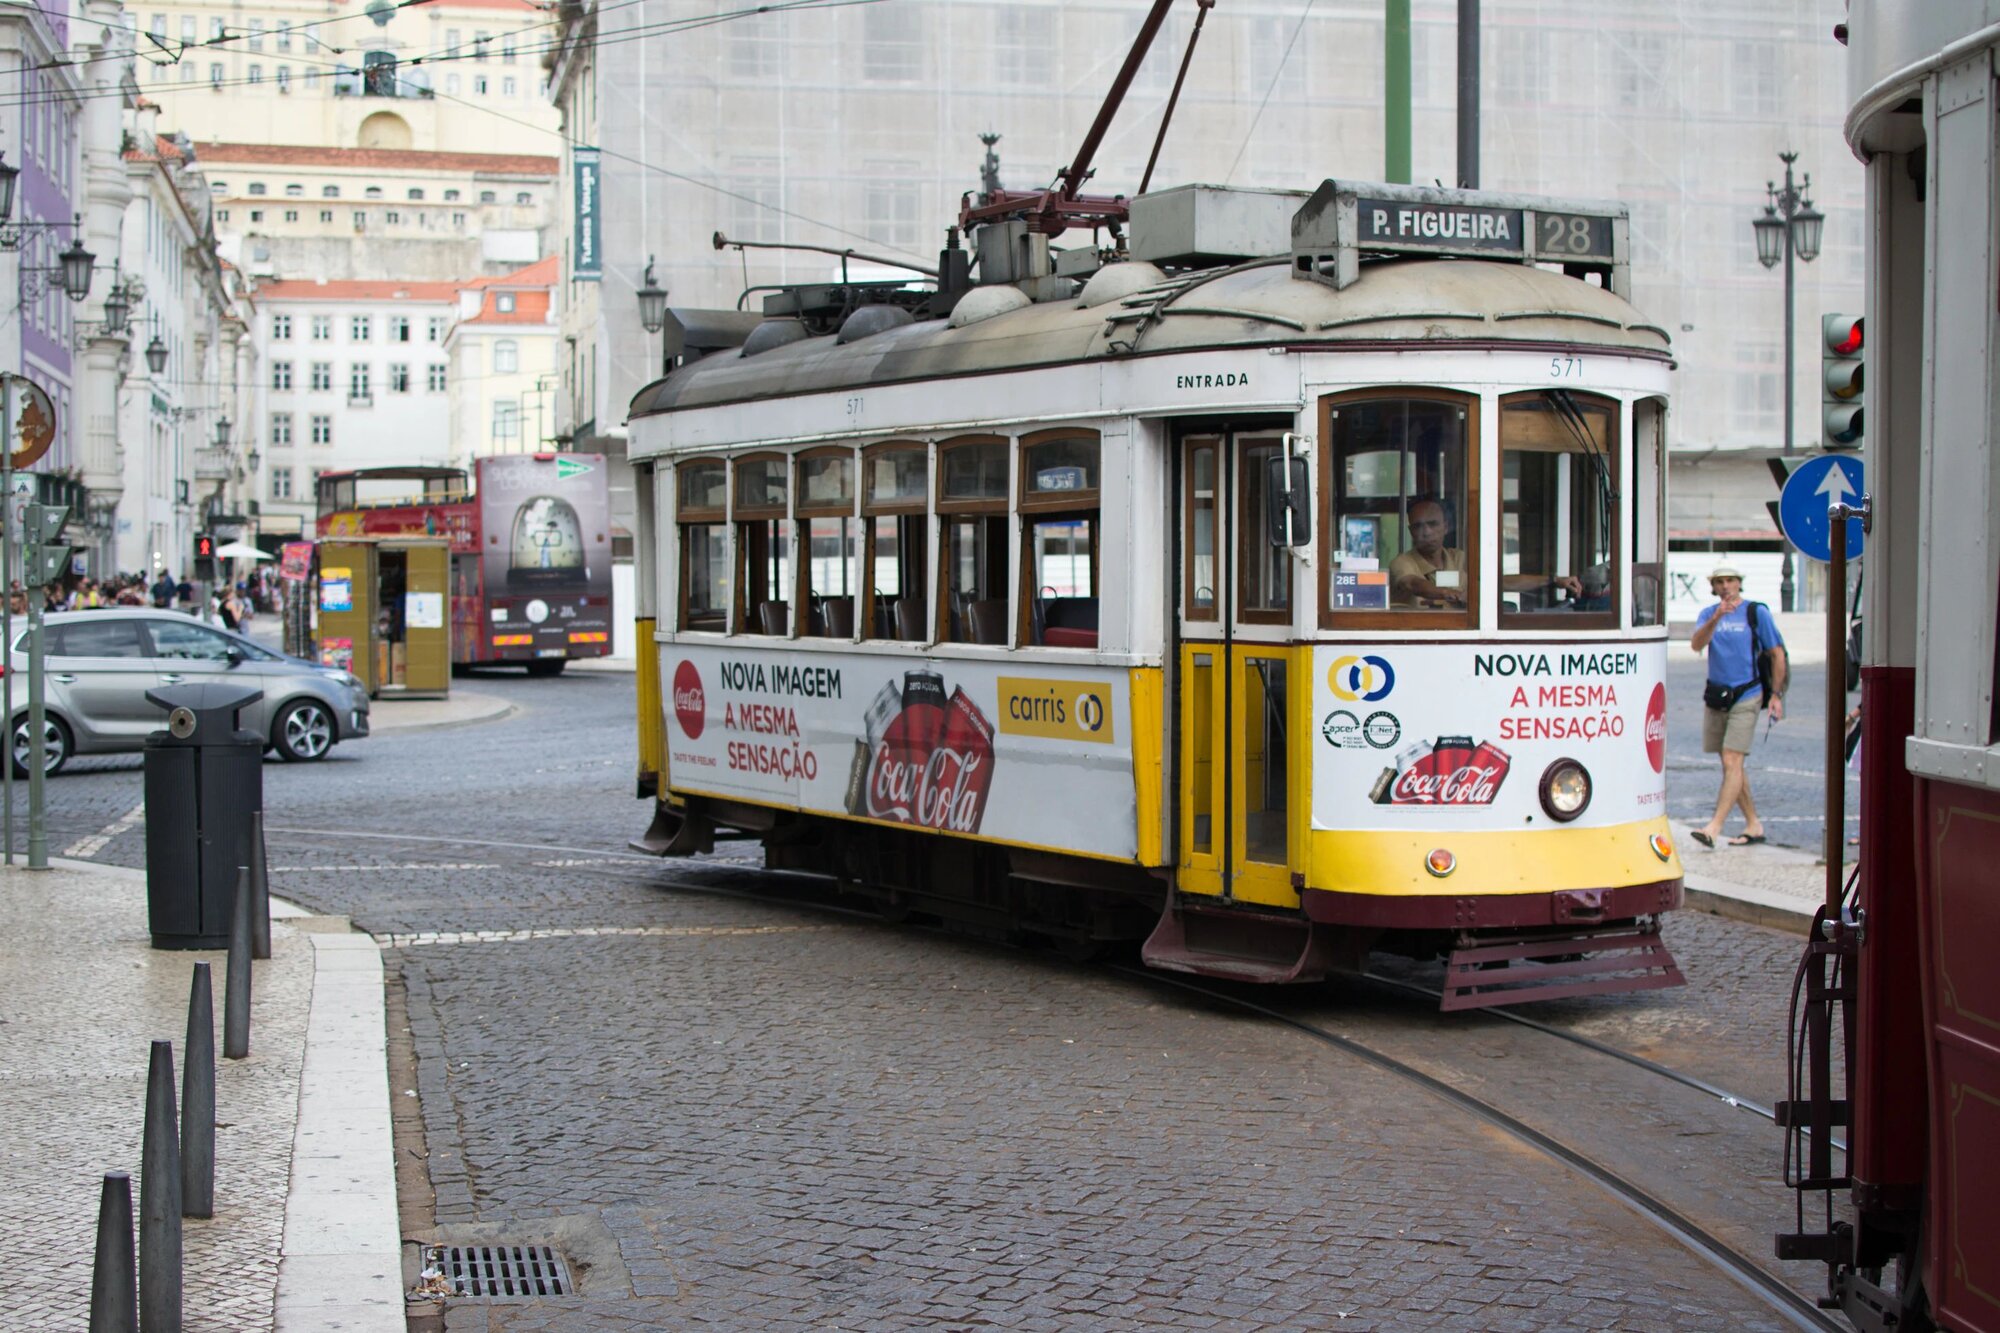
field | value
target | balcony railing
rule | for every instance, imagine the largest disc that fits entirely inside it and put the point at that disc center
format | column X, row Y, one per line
column 212, row 465
column 361, row 400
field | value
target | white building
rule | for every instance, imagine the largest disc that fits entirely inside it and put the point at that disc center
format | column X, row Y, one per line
column 355, row 374
column 502, row 351
column 860, row 126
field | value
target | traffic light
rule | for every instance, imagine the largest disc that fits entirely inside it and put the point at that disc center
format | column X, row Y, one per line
column 204, row 557
column 43, row 558
column 1841, row 373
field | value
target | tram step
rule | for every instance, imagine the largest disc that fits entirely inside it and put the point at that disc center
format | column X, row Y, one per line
column 1514, row 971
column 1238, row 945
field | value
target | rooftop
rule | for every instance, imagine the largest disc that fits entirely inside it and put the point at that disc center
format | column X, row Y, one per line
column 376, row 159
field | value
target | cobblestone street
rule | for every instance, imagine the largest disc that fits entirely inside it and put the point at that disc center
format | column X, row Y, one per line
column 747, row 1113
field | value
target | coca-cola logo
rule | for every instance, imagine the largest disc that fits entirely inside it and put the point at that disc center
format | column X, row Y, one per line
column 690, row 703
column 1452, row 775
column 1656, row 729
column 933, row 766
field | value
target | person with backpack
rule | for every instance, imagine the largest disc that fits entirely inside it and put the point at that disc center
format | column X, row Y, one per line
column 1747, row 672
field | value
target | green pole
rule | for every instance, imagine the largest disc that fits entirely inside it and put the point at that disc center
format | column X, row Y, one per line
column 1396, row 92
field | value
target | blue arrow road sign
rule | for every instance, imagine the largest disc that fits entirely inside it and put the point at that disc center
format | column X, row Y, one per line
column 1802, row 505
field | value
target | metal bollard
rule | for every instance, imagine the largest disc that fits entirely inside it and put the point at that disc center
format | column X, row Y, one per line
column 236, row 986
column 260, row 890
column 160, row 1201
column 198, row 1101
column 114, row 1284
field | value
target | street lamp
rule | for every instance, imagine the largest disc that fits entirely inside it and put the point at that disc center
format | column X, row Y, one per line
column 9, row 177
column 1790, row 227
column 117, row 309
column 156, row 355
column 77, row 264
column 222, row 432
column 652, row 301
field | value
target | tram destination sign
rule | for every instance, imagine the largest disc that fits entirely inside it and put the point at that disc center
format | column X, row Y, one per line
column 1342, row 221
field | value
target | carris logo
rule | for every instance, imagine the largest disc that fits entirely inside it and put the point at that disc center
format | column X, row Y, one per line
column 1361, row 679
column 690, row 703
column 1656, row 729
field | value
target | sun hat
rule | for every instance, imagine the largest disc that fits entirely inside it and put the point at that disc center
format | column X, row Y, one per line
column 1726, row 571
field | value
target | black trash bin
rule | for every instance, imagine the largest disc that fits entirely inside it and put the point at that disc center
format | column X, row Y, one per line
column 204, row 781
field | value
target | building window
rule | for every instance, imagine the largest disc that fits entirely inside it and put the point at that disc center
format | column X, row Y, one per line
column 291, row 215
column 451, row 43
column 322, row 376
column 361, row 328
column 892, row 212
column 256, row 215
column 372, row 192
column 312, row 80
column 451, row 85
column 1023, row 45
column 222, row 215
column 506, row 421
column 479, row 84
column 392, row 219
column 524, row 197
column 214, row 75
column 188, row 27
column 258, row 188
column 281, row 374
column 281, row 327
column 256, row 74
column 892, row 39
column 458, row 220
column 357, row 380
column 436, row 329
column 488, row 197
column 329, row 192
column 322, row 429
column 399, row 378
column 1522, row 65
column 451, row 196
column 360, row 220
column 284, row 36
column 416, row 196
column 281, row 429
column 506, row 357
column 295, row 191
column 479, row 41
column 434, row 377
column 510, row 86
column 504, row 302
column 756, row 46
column 399, row 328
column 216, row 30
column 507, row 49
column 754, row 200
column 322, row 328
column 281, row 483
column 1753, row 78
column 256, row 34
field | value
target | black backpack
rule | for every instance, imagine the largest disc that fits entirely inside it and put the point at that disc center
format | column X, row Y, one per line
column 1760, row 654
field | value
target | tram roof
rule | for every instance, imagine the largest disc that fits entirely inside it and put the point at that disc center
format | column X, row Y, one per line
column 1466, row 303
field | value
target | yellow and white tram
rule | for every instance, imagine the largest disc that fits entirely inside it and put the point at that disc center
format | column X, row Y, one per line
column 1285, row 585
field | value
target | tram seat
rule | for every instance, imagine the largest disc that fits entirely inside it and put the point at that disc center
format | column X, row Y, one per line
column 774, row 617
column 835, row 617
column 988, row 620
column 1070, row 622
column 910, row 619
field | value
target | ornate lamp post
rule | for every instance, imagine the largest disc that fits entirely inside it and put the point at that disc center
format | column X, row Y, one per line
column 1790, row 227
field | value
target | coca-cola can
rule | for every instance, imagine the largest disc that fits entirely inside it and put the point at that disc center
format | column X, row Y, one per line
column 1413, row 754
column 857, row 780
column 1379, row 793
column 881, row 712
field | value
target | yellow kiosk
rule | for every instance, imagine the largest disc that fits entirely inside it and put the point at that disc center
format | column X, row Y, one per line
column 385, row 613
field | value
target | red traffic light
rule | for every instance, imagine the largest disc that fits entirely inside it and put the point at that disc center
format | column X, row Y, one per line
column 204, row 547
column 1843, row 334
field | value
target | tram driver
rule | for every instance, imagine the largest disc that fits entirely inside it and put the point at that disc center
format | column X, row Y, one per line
column 1414, row 575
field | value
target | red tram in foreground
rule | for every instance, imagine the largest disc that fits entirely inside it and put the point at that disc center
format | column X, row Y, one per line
column 530, row 548
column 1900, row 965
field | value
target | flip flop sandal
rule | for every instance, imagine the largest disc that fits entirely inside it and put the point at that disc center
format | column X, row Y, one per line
column 1746, row 840
column 1702, row 838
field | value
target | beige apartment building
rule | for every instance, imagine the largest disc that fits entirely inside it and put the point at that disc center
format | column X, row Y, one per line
column 449, row 75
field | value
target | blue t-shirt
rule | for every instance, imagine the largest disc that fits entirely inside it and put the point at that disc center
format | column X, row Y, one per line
column 1731, row 661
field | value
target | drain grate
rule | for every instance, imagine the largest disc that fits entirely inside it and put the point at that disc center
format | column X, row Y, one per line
column 498, row 1270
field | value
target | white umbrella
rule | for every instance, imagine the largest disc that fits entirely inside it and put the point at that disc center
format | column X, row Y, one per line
column 240, row 551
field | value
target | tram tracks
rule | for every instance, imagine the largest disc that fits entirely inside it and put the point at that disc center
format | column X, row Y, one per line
column 1676, row 1221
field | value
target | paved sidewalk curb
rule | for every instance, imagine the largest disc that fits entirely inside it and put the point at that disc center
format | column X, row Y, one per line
column 460, row 710
column 1741, row 902
column 342, row 1265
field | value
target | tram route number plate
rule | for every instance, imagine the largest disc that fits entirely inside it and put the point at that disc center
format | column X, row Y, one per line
column 1361, row 590
column 1462, row 228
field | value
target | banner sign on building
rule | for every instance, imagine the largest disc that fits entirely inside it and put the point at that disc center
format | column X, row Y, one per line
column 589, row 263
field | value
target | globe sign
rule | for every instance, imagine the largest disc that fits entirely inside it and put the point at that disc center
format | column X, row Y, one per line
column 34, row 420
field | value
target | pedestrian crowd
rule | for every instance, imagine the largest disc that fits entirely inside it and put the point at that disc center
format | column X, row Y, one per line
column 232, row 604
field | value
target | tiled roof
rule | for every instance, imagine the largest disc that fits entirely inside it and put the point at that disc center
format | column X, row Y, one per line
column 378, row 159
column 345, row 290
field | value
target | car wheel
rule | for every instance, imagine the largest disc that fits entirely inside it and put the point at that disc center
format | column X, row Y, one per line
column 57, row 750
column 548, row 666
column 304, row 731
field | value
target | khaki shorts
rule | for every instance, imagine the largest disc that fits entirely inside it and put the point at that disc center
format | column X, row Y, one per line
column 1733, row 730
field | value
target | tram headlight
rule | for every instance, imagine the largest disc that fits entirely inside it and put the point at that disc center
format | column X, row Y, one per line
column 1662, row 845
column 1565, row 790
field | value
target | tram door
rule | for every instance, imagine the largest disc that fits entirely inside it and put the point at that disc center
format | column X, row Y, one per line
column 1235, row 762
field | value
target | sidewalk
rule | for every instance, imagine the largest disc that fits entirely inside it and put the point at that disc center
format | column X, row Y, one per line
column 305, row 1232
column 1770, row 886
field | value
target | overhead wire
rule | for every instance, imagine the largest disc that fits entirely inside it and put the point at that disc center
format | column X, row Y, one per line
column 1269, row 89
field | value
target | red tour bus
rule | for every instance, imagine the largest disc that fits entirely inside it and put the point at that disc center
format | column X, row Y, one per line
column 530, row 548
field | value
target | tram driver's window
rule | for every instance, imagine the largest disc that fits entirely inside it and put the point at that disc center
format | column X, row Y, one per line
column 1059, row 524
column 1403, row 531
column 895, row 503
column 1558, row 507
column 704, row 537
column 832, row 536
column 763, row 545
column 972, row 511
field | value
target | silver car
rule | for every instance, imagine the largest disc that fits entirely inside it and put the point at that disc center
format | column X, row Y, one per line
column 100, row 664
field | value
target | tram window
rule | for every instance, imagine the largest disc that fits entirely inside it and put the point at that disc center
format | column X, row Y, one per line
column 764, row 545
column 704, row 538
column 832, row 538
column 1263, row 571
column 896, row 506
column 1402, row 533
column 1059, row 503
column 1558, row 507
column 1201, row 456
column 972, row 511
column 1649, row 518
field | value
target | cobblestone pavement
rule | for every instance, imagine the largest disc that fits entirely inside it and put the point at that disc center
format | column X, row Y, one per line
column 746, row 1114
column 73, row 1098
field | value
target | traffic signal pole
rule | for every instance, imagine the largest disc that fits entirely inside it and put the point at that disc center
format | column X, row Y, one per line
column 8, row 536
column 38, row 815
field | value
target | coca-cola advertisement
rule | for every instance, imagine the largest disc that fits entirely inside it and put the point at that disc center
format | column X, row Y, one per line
column 931, row 763
column 1445, row 725
column 1452, row 771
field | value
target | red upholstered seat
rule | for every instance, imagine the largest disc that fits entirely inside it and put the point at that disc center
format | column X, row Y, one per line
column 1058, row 637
